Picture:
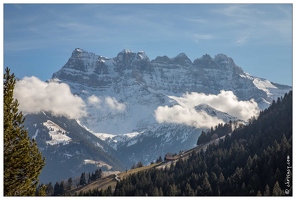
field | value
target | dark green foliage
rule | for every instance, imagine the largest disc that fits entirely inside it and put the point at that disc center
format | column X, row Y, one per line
column 56, row 189
column 277, row 191
column 138, row 165
column 70, row 182
column 82, row 179
column 216, row 132
column 97, row 175
column 23, row 161
column 64, row 188
column 41, row 190
column 49, row 189
column 159, row 159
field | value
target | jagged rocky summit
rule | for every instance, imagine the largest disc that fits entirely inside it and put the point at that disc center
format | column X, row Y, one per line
column 175, row 75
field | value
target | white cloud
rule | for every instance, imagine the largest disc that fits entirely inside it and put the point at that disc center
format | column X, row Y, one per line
column 185, row 115
column 225, row 101
column 114, row 104
column 94, row 100
column 35, row 96
column 107, row 103
column 185, row 112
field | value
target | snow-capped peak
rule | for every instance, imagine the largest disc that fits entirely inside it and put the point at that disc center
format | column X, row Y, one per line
column 142, row 56
column 79, row 50
column 215, row 113
column 127, row 51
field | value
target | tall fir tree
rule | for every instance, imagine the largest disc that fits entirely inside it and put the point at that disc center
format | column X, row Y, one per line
column 56, row 189
column 23, row 161
column 82, row 179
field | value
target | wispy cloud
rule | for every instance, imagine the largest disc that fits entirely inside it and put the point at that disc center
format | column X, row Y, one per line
column 197, row 20
column 241, row 41
column 50, row 27
column 262, row 23
column 199, row 37
column 53, row 25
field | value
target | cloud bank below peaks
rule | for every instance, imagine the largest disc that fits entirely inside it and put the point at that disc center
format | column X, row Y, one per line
column 185, row 112
column 35, row 96
column 185, row 115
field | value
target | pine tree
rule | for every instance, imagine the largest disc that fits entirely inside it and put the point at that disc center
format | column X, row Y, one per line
column 89, row 178
column 277, row 191
column 206, row 186
column 98, row 173
column 82, row 179
column 267, row 191
column 62, row 187
column 49, row 189
column 155, row 192
column 188, row 191
column 56, row 190
column 70, row 182
column 172, row 190
column 23, row 161
column 159, row 159
column 259, row 193
column 41, row 190
column 108, row 192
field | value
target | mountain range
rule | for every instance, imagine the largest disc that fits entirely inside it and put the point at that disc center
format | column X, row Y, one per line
column 137, row 109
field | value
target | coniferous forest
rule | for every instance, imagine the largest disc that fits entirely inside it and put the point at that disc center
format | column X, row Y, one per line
column 255, row 160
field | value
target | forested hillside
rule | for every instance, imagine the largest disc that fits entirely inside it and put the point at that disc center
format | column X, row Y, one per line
column 254, row 160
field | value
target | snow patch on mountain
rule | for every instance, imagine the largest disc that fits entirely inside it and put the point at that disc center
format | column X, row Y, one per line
column 97, row 163
column 57, row 134
column 36, row 133
column 216, row 113
column 264, row 85
column 115, row 140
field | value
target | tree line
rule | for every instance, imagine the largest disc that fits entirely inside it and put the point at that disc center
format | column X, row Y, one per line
column 64, row 187
column 218, row 131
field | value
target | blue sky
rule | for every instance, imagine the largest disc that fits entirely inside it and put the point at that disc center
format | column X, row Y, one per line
column 39, row 38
